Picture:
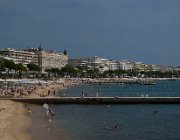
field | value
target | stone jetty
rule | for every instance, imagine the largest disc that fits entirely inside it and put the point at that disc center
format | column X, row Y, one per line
column 98, row 100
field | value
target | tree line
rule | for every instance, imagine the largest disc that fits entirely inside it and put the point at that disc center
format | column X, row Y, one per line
column 8, row 69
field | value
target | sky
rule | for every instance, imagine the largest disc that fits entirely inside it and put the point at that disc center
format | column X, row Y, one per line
column 134, row 30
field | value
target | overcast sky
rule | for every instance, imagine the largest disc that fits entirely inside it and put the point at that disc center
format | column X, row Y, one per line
column 135, row 30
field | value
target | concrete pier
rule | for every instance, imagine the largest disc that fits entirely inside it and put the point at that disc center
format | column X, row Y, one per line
column 98, row 100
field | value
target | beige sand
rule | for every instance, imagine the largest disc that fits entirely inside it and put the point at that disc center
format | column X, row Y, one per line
column 53, row 87
column 13, row 121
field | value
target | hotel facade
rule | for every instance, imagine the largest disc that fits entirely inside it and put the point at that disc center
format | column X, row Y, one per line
column 44, row 59
column 51, row 59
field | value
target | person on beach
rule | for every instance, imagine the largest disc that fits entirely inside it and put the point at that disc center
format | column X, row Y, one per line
column 82, row 94
column 85, row 94
column 48, row 92
column 54, row 92
column 2, row 109
column 49, row 112
column 29, row 110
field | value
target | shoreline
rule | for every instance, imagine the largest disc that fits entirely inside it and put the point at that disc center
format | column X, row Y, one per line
column 13, row 121
column 52, row 89
column 134, row 80
column 39, row 88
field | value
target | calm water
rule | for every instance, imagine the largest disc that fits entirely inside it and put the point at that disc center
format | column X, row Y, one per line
column 162, row 88
column 113, row 122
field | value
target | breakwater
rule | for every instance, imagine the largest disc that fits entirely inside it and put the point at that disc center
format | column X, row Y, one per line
column 130, row 81
column 99, row 100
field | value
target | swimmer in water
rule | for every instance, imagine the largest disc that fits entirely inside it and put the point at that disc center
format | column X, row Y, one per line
column 115, row 127
column 155, row 112
column 112, row 128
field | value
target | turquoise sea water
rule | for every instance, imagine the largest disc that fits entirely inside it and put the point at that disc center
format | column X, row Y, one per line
column 111, row 122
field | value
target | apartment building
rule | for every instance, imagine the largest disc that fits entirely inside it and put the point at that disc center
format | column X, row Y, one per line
column 125, row 65
column 139, row 66
column 24, row 57
column 113, row 65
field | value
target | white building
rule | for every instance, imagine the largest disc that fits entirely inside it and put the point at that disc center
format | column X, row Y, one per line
column 45, row 59
column 139, row 66
column 51, row 59
column 18, row 56
column 125, row 65
column 101, row 64
column 113, row 65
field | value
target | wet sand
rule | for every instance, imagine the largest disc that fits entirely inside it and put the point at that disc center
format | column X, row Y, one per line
column 13, row 121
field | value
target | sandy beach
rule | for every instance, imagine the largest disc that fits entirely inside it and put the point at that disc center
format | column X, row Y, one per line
column 52, row 89
column 13, row 121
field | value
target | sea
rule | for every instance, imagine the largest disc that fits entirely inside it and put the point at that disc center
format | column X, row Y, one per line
column 111, row 122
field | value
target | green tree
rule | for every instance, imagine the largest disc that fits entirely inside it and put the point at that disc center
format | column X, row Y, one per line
column 49, row 72
column 55, row 72
column 10, row 65
column 20, row 68
column 34, row 68
column 2, row 65
column 69, row 70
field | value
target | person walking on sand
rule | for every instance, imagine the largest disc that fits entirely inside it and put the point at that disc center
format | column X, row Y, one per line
column 48, row 92
column 54, row 92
